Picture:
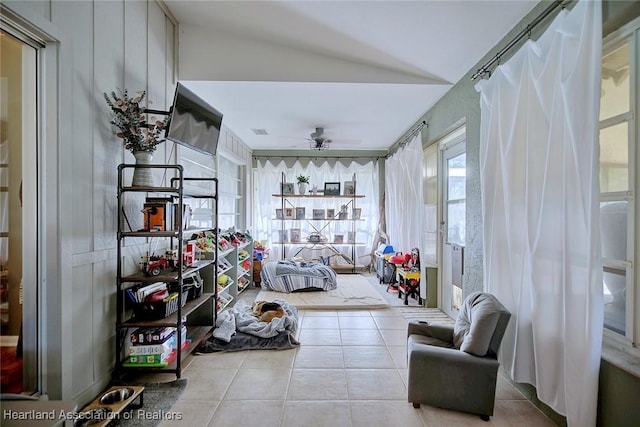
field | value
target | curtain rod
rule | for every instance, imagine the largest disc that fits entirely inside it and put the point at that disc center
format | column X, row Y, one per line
column 406, row 138
column 527, row 31
column 317, row 157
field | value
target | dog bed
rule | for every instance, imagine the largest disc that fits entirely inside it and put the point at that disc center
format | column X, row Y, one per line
column 238, row 328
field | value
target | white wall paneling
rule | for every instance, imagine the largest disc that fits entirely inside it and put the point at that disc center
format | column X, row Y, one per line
column 101, row 46
column 108, row 61
column 83, row 114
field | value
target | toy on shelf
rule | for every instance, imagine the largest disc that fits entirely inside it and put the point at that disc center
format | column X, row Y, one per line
column 154, row 265
column 188, row 254
column 223, row 244
column 245, row 264
column 205, row 241
column 236, row 238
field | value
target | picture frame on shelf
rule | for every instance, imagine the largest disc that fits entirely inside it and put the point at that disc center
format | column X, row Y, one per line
column 289, row 213
column 331, row 213
column 314, row 238
column 351, row 237
column 294, row 235
column 300, row 213
column 279, row 214
column 349, row 188
column 283, row 236
column 331, row 188
column 338, row 238
column 357, row 212
column 318, row 214
column 286, row 188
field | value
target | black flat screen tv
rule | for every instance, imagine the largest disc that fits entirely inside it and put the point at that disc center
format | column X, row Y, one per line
column 193, row 122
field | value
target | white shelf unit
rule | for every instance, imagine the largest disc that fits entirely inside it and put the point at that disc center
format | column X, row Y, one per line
column 239, row 277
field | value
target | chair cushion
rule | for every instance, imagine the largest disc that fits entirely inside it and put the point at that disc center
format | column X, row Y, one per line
column 476, row 323
column 425, row 340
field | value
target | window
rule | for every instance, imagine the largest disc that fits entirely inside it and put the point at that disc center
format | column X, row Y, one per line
column 618, row 140
column 456, row 199
column 231, row 190
column 198, row 165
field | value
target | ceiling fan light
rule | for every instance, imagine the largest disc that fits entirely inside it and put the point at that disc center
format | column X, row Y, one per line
column 318, row 146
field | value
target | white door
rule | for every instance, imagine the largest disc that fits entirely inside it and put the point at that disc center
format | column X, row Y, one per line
column 452, row 224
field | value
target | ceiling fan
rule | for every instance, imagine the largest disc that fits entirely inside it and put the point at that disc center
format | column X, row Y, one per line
column 318, row 140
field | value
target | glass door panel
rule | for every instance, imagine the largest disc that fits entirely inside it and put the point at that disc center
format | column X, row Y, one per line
column 456, row 199
column 453, row 223
column 18, row 329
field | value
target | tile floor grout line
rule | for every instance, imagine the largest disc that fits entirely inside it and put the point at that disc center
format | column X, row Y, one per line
column 389, row 339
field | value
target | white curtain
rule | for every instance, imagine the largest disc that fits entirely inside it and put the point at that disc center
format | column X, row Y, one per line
column 267, row 179
column 540, row 190
column 403, row 196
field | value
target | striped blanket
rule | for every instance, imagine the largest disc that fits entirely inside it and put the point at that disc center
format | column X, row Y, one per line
column 290, row 276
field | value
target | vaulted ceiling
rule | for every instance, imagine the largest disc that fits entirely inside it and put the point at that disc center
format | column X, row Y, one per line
column 365, row 71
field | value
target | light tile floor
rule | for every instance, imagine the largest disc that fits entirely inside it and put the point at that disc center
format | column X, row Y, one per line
column 350, row 370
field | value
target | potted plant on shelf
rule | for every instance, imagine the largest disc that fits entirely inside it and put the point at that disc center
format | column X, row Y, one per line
column 140, row 136
column 303, row 181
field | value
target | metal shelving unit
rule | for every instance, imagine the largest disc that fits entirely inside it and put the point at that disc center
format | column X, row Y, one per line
column 320, row 227
column 199, row 314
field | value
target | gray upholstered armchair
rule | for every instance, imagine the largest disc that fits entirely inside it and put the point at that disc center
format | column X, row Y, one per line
column 455, row 367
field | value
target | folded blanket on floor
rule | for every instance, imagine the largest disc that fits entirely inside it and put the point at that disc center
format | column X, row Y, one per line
column 310, row 269
column 240, row 318
column 289, row 276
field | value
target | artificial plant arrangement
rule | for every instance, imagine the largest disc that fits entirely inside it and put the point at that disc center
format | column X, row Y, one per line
column 302, row 179
column 130, row 120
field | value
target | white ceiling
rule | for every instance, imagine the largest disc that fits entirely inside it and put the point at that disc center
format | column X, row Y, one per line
column 366, row 71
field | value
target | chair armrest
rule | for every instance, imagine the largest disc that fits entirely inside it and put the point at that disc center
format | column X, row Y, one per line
column 446, row 357
column 440, row 331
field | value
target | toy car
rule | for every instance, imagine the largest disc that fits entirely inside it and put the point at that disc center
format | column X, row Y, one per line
column 156, row 265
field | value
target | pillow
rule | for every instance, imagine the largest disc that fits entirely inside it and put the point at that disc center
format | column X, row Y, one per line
column 476, row 324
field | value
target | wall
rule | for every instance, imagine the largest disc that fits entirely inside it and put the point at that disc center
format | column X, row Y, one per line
column 461, row 105
column 618, row 397
column 100, row 46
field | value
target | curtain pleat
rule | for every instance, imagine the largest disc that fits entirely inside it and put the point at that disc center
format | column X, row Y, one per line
column 540, row 206
column 403, row 196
